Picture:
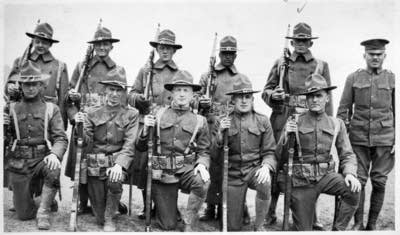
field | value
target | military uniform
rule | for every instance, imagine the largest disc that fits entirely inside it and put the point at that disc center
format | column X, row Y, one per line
column 57, row 85
column 38, row 131
column 111, row 133
column 223, row 82
column 92, row 94
column 367, row 102
column 251, row 146
column 300, row 67
column 162, row 74
column 175, row 158
column 314, row 170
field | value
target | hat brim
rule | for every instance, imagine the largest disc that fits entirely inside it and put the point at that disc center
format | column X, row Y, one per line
column 32, row 35
column 155, row 44
column 238, row 92
column 306, row 38
column 41, row 78
column 170, row 86
column 114, row 83
column 316, row 90
column 112, row 40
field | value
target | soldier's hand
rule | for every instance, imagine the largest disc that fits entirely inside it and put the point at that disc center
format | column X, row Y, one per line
column 204, row 174
column 263, row 175
column 149, row 120
column 278, row 94
column 205, row 102
column 80, row 117
column 6, row 119
column 291, row 126
column 114, row 173
column 74, row 96
column 12, row 89
column 225, row 123
column 52, row 161
column 353, row 182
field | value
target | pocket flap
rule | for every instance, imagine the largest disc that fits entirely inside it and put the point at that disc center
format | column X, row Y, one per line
column 188, row 128
column 305, row 130
column 387, row 123
column 254, row 130
column 164, row 125
column 328, row 131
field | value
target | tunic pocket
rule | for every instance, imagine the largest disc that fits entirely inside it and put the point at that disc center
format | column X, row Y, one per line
column 361, row 93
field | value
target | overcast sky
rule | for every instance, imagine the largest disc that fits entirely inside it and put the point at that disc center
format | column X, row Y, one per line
column 259, row 27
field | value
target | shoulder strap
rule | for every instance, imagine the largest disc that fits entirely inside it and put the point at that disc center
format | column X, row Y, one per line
column 333, row 151
column 319, row 69
column 47, row 116
column 199, row 123
column 15, row 119
column 159, row 114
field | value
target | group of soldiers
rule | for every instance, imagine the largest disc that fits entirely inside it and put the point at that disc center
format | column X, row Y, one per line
column 187, row 129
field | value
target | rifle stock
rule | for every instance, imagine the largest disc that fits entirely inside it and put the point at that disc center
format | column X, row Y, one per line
column 225, row 175
column 286, row 54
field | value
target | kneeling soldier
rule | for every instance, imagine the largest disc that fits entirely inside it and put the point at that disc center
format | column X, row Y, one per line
column 251, row 155
column 110, row 130
column 181, row 155
column 314, row 166
column 38, row 147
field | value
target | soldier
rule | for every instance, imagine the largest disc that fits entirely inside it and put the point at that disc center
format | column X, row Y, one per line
column 314, row 170
column 251, row 155
column 181, row 159
column 111, row 129
column 92, row 93
column 57, row 86
column 368, row 104
column 39, row 143
column 163, row 71
column 301, row 64
column 225, row 76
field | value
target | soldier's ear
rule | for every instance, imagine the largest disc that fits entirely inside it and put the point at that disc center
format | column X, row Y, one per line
column 311, row 43
column 291, row 43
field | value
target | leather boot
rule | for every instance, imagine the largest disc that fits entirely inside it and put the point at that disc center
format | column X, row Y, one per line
column 359, row 215
column 345, row 214
column 43, row 214
column 209, row 213
column 246, row 215
column 261, row 211
column 191, row 216
column 111, row 211
column 377, row 197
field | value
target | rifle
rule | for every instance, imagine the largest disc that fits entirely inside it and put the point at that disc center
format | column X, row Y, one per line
column 211, row 71
column 148, row 90
column 225, row 176
column 79, row 132
column 286, row 54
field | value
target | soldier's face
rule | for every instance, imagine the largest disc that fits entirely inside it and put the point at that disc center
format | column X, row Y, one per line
column 31, row 89
column 182, row 95
column 165, row 52
column 114, row 95
column 102, row 49
column 316, row 101
column 41, row 46
column 227, row 58
column 301, row 46
column 243, row 102
column 374, row 58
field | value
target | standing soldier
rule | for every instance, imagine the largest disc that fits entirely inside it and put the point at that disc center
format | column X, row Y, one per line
column 368, row 104
column 181, row 156
column 301, row 64
column 92, row 93
column 314, row 167
column 39, row 143
column 225, row 74
column 163, row 70
column 57, row 86
column 251, row 155
column 111, row 131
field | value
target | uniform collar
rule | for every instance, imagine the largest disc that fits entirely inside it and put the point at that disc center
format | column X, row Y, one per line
column 242, row 115
column 317, row 116
column 232, row 68
column 179, row 108
column 370, row 71
column 45, row 57
column 160, row 65
column 107, row 61
column 307, row 56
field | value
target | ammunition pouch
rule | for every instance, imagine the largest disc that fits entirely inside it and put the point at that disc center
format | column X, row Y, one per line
column 17, row 158
column 307, row 173
column 170, row 164
column 98, row 163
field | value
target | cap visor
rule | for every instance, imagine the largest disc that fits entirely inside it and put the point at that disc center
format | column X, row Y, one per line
column 31, row 35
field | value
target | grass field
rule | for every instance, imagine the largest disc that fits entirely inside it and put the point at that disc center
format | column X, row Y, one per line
column 126, row 223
